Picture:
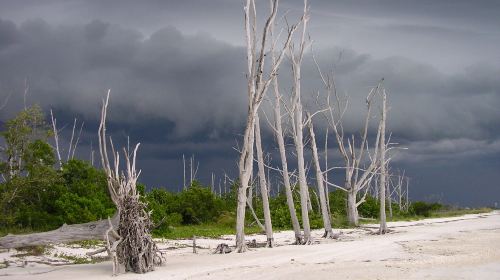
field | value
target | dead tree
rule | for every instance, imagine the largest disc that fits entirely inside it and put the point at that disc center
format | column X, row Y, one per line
column 320, row 182
column 134, row 247
column 359, row 165
column 257, row 85
column 383, row 166
column 73, row 143
column 399, row 189
column 297, row 120
column 184, row 172
column 278, row 132
column 263, row 185
column 56, row 138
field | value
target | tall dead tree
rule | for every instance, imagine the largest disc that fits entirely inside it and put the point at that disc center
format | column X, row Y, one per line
column 56, row 139
column 133, row 247
column 360, row 166
column 263, row 185
column 257, row 85
column 278, row 132
column 73, row 143
column 320, row 182
column 383, row 166
column 297, row 120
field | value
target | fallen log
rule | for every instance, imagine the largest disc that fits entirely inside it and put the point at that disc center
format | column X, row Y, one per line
column 66, row 233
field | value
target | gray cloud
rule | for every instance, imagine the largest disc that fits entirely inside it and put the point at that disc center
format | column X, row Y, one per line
column 176, row 70
column 182, row 79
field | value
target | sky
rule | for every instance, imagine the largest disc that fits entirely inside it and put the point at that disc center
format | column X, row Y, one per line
column 176, row 70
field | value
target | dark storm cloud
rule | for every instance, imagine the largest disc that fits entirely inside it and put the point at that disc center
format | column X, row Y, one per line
column 193, row 85
column 183, row 79
column 176, row 71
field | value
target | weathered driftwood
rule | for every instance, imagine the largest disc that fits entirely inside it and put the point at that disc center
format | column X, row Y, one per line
column 66, row 233
column 130, row 244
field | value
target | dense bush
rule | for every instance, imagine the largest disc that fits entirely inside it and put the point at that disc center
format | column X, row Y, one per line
column 370, row 208
column 421, row 208
column 46, row 198
column 86, row 198
column 194, row 205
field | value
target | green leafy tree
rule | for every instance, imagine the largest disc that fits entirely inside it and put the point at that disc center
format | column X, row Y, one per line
column 87, row 197
column 19, row 136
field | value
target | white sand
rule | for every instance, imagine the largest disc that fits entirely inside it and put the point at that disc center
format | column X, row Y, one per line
column 466, row 247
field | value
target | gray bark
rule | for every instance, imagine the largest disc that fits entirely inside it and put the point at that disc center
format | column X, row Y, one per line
column 320, row 183
column 352, row 209
column 298, row 126
column 263, row 185
column 66, row 233
column 284, row 164
column 382, row 186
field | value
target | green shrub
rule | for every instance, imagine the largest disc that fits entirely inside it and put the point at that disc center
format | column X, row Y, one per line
column 421, row 208
column 370, row 208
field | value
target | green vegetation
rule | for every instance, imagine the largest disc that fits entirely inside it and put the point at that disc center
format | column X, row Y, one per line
column 37, row 196
column 32, row 251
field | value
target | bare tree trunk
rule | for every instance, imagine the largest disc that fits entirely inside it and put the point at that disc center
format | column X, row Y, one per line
column 284, row 164
column 212, row 187
column 252, row 211
column 319, row 178
column 298, row 125
column 71, row 141
column 250, row 194
column 400, row 194
column 382, row 187
column 327, row 190
column 191, row 171
column 407, row 194
column 184, row 172
column 77, row 140
column 309, row 200
column 352, row 209
column 389, row 199
column 304, row 193
column 246, row 169
column 263, row 185
column 56, row 138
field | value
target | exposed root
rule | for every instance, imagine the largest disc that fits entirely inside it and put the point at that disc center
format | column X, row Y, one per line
column 270, row 243
column 136, row 250
column 329, row 234
column 242, row 248
column 307, row 241
column 222, row 248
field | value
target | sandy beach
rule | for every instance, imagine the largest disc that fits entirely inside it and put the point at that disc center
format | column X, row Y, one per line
column 466, row 247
